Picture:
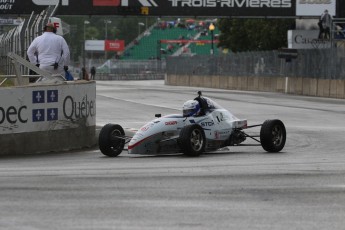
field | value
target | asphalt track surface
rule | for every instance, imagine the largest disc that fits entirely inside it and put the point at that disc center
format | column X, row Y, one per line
column 303, row 187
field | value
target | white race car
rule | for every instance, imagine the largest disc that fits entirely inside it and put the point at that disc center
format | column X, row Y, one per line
column 204, row 126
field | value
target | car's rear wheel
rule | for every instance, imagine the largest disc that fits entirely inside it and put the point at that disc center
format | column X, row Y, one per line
column 192, row 140
column 111, row 140
column 273, row 135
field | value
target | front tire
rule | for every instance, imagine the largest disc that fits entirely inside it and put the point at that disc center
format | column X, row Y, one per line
column 273, row 135
column 192, row 140
column 110, row 140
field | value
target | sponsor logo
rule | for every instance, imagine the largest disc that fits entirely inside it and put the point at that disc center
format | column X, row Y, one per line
column 221, row 134
column 207, row 123
column 144, row 129
column 232, row 3
column 147, row 127
column 171, row 123
column 315, row 1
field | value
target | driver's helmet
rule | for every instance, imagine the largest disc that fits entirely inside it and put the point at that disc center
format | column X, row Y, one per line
column 190, row 108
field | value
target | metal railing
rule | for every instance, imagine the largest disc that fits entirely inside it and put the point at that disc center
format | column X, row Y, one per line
column 311, row 63
column 326, row 63
column 18, row 39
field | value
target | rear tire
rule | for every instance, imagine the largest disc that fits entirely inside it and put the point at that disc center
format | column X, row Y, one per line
column 192, row 140
column 273, row 135
column 109, row 140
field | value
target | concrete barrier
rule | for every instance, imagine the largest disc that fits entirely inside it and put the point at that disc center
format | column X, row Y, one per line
column 309, row 87
column 292, row 85
column 47, row 118
column 126, row 77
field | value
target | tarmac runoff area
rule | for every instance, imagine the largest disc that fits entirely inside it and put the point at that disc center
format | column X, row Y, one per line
column 302, row 187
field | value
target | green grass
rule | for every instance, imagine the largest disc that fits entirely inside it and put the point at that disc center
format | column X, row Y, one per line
column 7, row 83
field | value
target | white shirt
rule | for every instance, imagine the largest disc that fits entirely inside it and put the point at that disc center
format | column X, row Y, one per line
column 49, row 47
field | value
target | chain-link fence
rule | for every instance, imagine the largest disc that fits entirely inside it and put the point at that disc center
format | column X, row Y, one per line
column 18, row 39
column 324, row 63
column 312, row 63
column 132, row 69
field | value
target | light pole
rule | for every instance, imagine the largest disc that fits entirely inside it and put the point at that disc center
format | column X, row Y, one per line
column 211, row 28
column 140, row 24
column 85, row 23
column 106, row 22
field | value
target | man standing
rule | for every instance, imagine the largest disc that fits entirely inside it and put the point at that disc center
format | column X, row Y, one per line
column 326, row 20
column 50, row 51
column 93, row 73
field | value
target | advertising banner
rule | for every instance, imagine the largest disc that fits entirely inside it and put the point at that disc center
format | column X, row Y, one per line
column 114, row 45
column 44, row 108
column 306, row 39
column 94, row 45
column 107, row 2
column 315, row 7
column 219, row 8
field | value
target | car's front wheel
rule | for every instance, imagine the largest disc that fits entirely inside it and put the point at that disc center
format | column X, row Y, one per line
column 111, row 140
column 192, row 140
column 273, row 135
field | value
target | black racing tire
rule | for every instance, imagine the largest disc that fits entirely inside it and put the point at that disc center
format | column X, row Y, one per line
column 273, row 135
column 192, row 140
column 109, row 142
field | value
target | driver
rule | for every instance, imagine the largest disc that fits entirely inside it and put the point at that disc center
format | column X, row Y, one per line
column 191, row 108
column 196, row 107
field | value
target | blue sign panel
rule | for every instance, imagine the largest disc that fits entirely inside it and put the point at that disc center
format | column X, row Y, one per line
column 38, row 115
column 38, row 97
column 52, row 96
column 52, row 114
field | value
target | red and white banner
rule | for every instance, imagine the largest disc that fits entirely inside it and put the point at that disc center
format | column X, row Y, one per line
column 106, row 2
column 105, row 45
column 114, row 45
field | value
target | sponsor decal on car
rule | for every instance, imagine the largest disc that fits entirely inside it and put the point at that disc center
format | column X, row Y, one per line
column 171, row 123
column 207, row 123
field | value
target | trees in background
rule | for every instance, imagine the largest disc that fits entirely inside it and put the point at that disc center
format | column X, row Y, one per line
column 240, row 34
column 236, row 35
column 122, row 28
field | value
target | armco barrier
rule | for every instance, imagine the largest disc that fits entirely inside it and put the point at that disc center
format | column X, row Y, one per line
column 47, row 118
column 333, row 88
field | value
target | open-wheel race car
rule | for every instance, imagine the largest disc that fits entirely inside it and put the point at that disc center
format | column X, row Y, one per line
column 204, row 126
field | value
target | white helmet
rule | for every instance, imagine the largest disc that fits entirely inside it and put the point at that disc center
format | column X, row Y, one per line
column 190, row 108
